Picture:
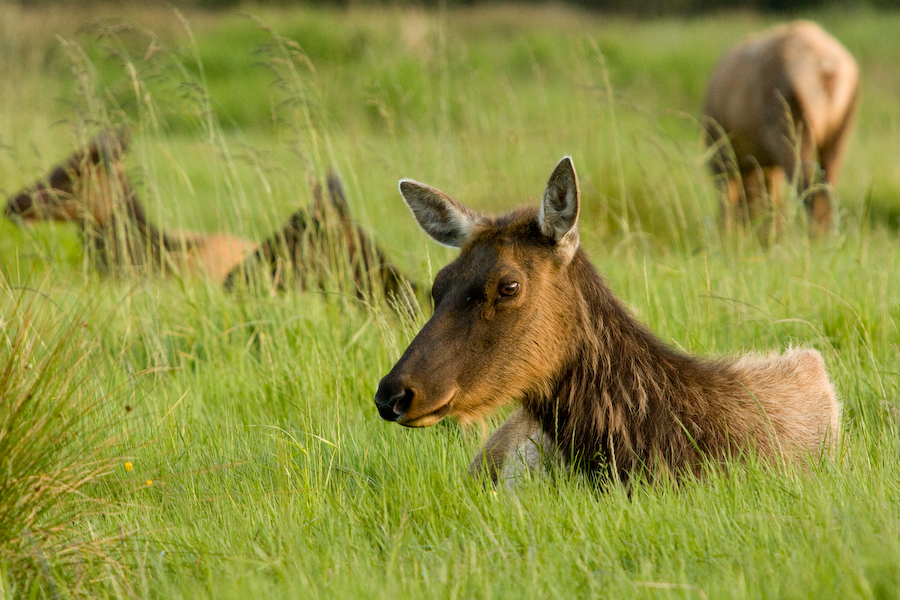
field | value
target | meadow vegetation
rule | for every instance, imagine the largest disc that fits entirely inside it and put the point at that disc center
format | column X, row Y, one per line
column 167, row 439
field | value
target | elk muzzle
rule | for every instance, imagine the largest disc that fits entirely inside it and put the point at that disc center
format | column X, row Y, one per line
column 21, row 206
column 405, row 404
column 42, row 203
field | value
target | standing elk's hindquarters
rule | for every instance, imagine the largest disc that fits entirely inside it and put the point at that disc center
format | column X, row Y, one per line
column 91, row 188
column 324, row 244
column 522, row 314
column 781, row 105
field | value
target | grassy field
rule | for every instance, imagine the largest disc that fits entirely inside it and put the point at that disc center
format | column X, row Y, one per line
column 166, row 439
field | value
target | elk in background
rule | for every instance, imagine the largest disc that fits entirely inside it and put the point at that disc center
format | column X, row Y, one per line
column 325, row 244
column 320, row 242
column 781, row 105
column 522, row 314
column 92, row 189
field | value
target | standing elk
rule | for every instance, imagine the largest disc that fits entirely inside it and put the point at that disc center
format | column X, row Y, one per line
column 781, row 105
column 91, row 188
column 522, row 314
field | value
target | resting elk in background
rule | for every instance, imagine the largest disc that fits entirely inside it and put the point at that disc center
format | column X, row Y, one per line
column 781, row 104
column 91, row 188
column 327, row 239
column 522, row 314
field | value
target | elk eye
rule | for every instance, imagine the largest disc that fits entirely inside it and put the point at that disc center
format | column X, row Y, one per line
column 510, row 288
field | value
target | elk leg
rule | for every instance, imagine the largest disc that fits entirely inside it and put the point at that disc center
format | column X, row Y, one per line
column 517, row 446
column 806, row 175
column 733, row 205
column 831, row 158
column 775, row 180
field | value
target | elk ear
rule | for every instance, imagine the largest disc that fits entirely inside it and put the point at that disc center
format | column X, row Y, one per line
column 559, row 210
column 338, row 198
column 443, row 218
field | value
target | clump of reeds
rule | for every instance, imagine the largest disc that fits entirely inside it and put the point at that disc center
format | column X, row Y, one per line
column 56, row 441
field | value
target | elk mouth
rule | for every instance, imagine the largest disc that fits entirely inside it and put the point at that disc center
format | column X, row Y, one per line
column 429, row 419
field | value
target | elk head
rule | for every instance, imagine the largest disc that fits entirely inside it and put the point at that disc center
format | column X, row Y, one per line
column 84, row 188
column 505, row 311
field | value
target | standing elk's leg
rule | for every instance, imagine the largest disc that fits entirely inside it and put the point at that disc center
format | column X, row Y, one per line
column 756, row 203
column 775, row 182
column 798, row 156
column 733, row 211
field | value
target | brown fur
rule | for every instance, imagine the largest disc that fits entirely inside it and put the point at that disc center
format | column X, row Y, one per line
column 785, row 94
column 91, row 188
column 522, row 314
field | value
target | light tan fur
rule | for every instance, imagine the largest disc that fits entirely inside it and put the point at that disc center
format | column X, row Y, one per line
column 781, row 105
column 213, row 255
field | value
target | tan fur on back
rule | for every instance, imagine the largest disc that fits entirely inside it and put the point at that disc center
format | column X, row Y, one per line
column 214, row 255
column 798, row 399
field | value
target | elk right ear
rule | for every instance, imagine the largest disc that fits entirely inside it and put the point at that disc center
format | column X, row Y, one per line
column 443, row 218
column 559, row 210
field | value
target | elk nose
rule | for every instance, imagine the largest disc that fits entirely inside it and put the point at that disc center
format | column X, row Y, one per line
column 393, row 400
column 19, row 205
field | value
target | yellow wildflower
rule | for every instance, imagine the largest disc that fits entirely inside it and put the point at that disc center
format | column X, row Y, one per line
column 128, row 466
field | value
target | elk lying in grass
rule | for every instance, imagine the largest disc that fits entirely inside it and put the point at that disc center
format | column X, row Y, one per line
column 522, row 314
column 338, row 249
column 92, row 189
column 782, row 104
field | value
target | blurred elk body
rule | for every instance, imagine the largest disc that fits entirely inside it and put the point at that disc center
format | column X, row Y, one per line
column 781, row 105
column 92, row 189
column 522, row 314
column 325, row 244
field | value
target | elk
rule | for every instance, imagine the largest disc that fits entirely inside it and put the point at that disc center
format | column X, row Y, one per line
column 781, row 105
column 522, row 314
column 92, row 189
column 328, row 239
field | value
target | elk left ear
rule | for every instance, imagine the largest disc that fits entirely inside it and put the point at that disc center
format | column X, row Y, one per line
column 443, row 218
column 559, row 210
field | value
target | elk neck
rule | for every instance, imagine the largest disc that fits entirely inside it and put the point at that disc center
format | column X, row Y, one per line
column 624, row 399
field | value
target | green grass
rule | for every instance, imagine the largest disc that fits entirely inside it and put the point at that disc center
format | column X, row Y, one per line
column 260, row 466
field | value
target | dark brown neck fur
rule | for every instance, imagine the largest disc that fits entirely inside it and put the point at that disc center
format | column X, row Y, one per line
column 624, row 401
